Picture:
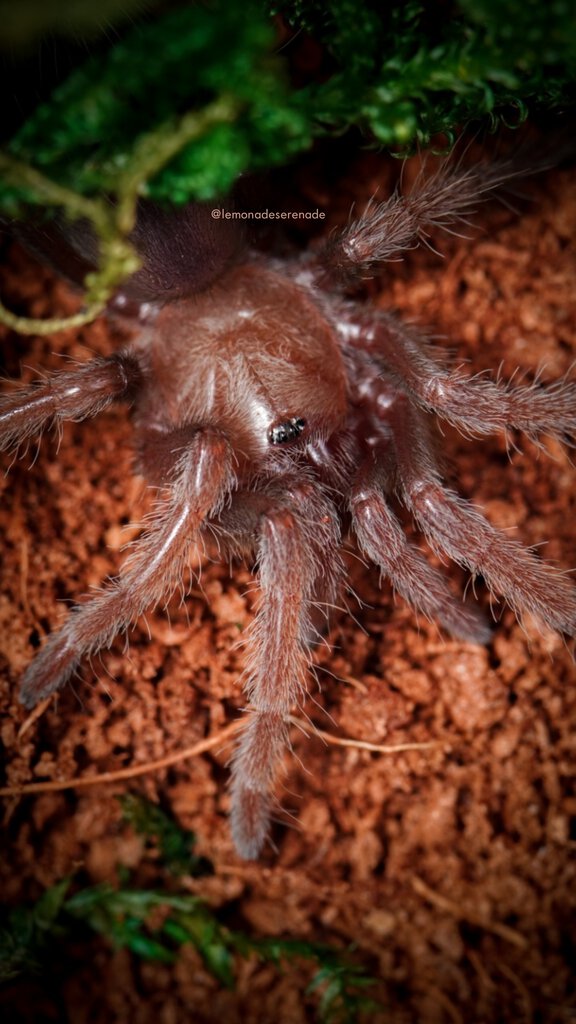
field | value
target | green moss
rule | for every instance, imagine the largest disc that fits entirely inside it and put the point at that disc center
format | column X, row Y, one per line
column 84, row 136
column 403, row 72
column 191, row 99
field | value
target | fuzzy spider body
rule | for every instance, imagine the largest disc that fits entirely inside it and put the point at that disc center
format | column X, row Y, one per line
column 277, row 414
column 266, row 358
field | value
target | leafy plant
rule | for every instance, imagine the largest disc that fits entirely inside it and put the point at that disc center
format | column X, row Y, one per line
column 27, row 931
column 154, row 924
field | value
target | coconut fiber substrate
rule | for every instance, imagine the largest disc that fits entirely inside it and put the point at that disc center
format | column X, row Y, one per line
column 445, row 872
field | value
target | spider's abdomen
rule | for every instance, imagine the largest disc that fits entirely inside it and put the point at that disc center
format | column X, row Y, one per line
column 252, row 356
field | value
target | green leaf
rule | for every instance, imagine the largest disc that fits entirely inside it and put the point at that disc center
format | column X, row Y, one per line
column 175, row 844
column 220, row 962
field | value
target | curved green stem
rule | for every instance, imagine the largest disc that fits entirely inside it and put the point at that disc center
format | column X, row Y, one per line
column 112, row 223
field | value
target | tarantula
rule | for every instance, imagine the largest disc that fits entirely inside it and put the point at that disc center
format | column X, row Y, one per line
column 277, row 413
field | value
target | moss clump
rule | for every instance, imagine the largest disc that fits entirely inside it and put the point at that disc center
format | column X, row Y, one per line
column 191, row 99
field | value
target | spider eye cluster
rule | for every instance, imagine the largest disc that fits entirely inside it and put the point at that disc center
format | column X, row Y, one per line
column 288, row 430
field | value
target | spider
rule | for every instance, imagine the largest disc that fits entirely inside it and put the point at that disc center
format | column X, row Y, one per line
column 276, row 412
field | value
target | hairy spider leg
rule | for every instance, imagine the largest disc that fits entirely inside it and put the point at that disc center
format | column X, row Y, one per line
column 383, row 541
column 401, row 222
column 67, row 395
column 202, row 478
column 454, row 527
column 237, row 530
column 476, row 405
column 293, row 554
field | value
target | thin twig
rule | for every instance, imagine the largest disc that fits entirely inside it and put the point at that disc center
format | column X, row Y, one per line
column 34, row 715
column 521, row 989
column 465, row 914
column 446, row 1004
column 184, row 755
column 485, row 980
column 126, row 773
column 378, row 748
